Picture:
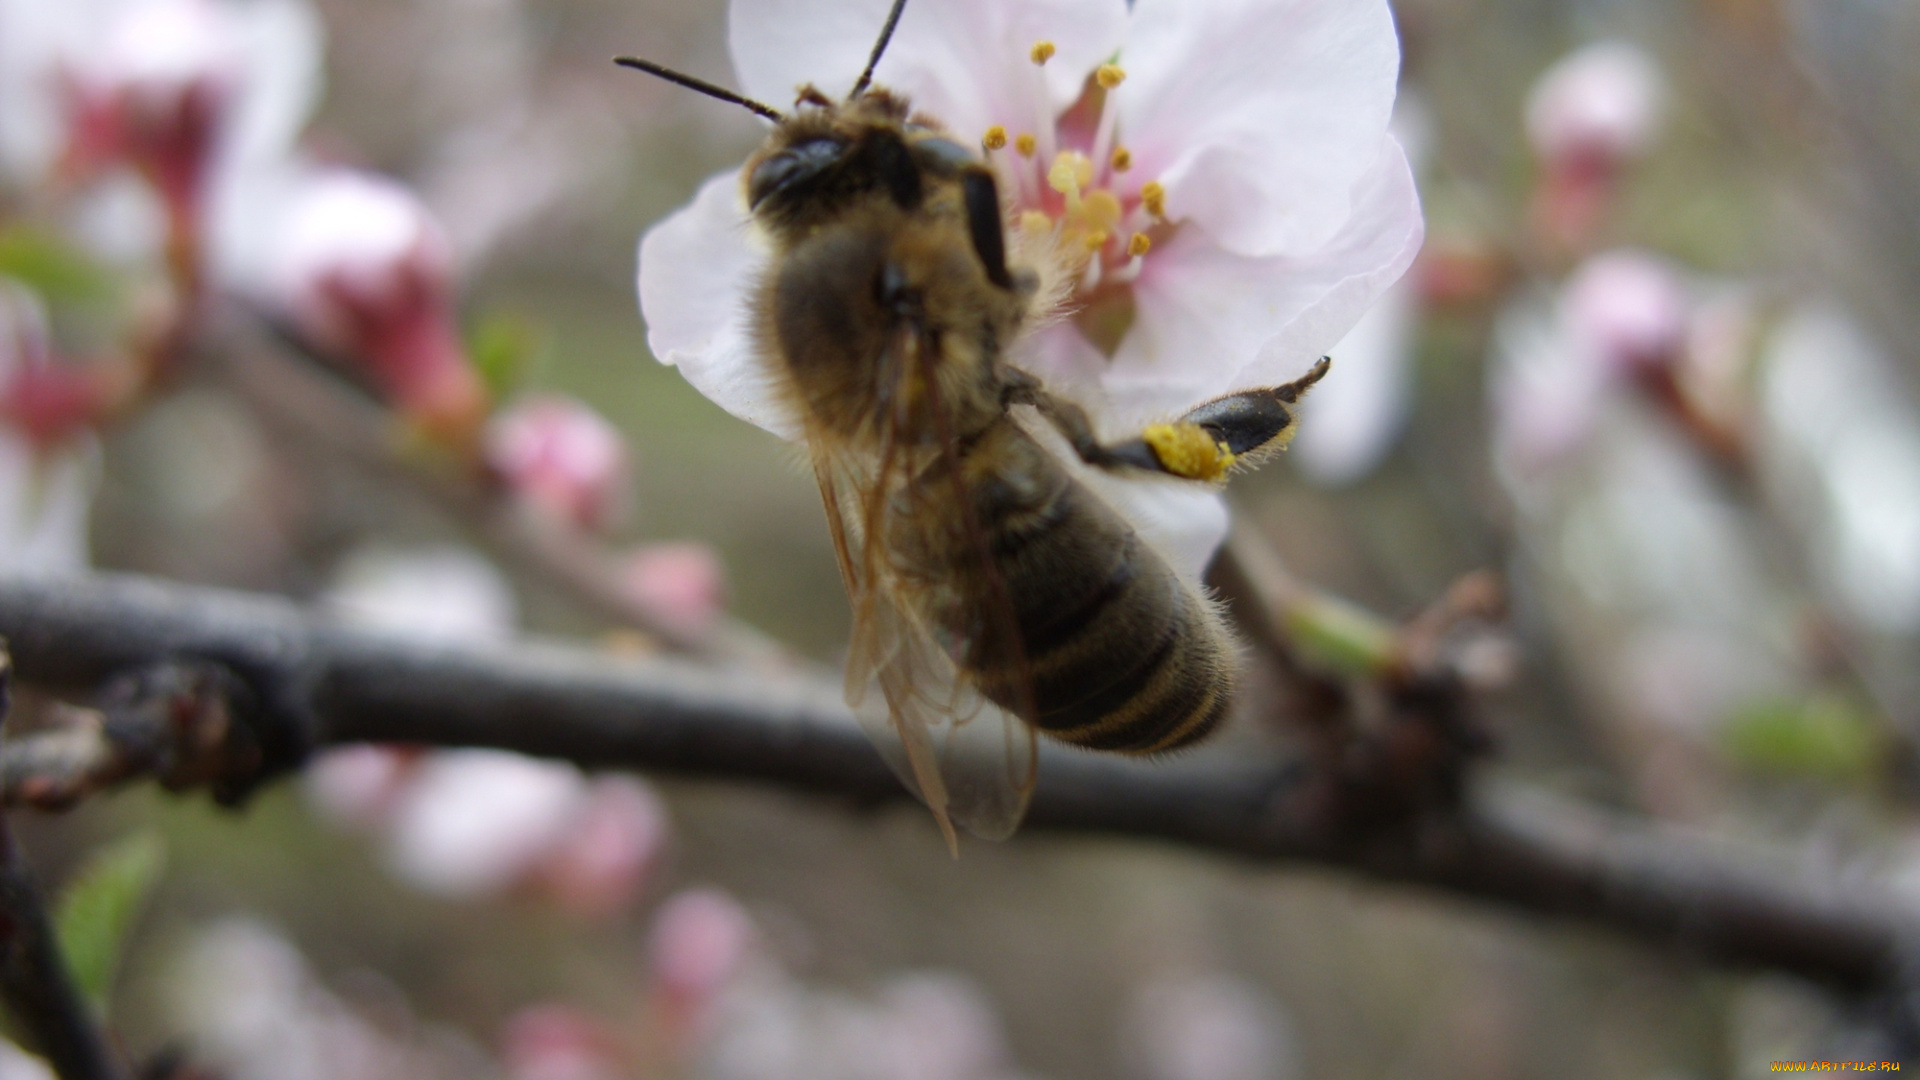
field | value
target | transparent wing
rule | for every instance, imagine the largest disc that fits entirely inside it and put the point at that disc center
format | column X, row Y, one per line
column 972, row 762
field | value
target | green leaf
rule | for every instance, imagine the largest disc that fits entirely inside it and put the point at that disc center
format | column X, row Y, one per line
column 506, row 349
column 50, row 265
column 1826, row 737
column 98, row 906
column 1342, row 635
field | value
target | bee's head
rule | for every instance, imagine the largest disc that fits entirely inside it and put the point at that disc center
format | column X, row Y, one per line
column 827, row 156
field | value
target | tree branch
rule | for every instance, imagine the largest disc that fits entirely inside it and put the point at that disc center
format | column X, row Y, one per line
column 315, row 682
column 34, row 981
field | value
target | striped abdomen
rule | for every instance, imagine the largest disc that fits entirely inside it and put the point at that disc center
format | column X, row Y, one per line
column 1087, row 633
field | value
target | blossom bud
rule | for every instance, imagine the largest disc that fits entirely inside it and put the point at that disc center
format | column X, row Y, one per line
column 477, row 821
column 364, row 270
column 155, row 94
column 558, row 1042
column 562, row 458
column 701, row 939
column 1630, row 308
column 683, row 584
column 1587, row 117
column 608, row 850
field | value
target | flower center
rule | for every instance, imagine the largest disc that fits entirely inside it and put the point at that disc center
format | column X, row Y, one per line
column 1070, row 179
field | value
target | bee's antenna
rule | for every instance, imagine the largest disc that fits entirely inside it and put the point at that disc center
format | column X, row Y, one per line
column 886, row 35
column 703, row 86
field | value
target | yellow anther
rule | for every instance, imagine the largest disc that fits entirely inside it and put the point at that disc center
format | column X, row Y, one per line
column 1035, row 221
column 1188, row 450
column 1096, row 239
column 1026, row 144
column 1139, row 245
column 1041, row 52
column 995, row 138
column 1122, row 159
column 1109, row 76
column 1101, row 208
column 1153, row 196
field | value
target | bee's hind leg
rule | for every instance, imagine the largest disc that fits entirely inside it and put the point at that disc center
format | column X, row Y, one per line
column 1241, row 428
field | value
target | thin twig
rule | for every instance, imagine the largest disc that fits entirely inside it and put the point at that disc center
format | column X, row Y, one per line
column 1691, row 895
column 38, row 989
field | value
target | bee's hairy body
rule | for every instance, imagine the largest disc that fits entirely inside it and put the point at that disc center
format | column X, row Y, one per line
column 889, row 310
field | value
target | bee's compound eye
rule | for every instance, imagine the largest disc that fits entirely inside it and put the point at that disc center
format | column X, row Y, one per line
column 792, row 168
column 942, row 157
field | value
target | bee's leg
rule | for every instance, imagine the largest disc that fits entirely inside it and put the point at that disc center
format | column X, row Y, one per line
column 1202, row 445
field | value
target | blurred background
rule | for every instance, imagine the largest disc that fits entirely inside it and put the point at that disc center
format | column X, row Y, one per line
column 1656, row 366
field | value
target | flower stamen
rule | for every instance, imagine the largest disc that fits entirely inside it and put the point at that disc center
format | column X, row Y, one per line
column 1153, row 196
column 1108, row 78
column 1025, row 144
column 1121, row 160
column 1041, row 52
column 995, row 138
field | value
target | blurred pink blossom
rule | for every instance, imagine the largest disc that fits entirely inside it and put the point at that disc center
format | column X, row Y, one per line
column 701, row 939
column 364, row 270
column 559, row 1042
column 1588, row 116
column 563, row 458
column 613, row 842
column 446, row 594
column 1630, row 307
column 359, row 786
column 684, row 583
column 474, row 822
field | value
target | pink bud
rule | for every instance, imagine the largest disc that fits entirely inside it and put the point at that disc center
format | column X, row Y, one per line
column 1600, row 105
column 700, row 940
column 559, row 1042
column 359, row 786
column 608, row 849
column 561, row 457
column 684, row 584
column 1630, row 308
column 50, row 405
column 157, row 94
column 364, row 270
column 475, row 822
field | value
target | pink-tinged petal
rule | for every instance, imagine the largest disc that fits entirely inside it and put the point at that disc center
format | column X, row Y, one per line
column 964, row 62
column 696, row 268
column 1260, row 117
column 1211, row 322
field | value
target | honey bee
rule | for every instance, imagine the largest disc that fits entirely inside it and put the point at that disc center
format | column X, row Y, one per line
column 995, row 596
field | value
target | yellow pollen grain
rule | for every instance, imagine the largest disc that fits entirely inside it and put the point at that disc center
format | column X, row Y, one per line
column 1188, row 450
column 1026, row 144
column 1041, row 52
column 1096, row 239
column 1122, row 159
column 995, row 138
column 1070, row 173
column 1110, row 76
column 1035, row 221
column 1153, row 196
column 1139, row 245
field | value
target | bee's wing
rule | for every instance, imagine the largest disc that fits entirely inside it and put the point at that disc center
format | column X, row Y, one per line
column 972, row 762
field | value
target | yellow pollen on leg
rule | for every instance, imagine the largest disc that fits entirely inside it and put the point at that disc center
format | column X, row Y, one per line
column 1110, row 76
column 1026, row 144
column 1188, row 450
column 1153, row 196
column 995, row 138
column 1122, row 159
column 1139, row 244
column 1041, row 52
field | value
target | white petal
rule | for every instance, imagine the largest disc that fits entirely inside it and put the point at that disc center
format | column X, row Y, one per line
column 1259, row 116
column 1211, row 322
column 696, row 269
column 962, row 61
column 44, row 504
column 283, row 40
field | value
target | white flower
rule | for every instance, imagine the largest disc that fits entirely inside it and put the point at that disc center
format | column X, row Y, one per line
column 1599, row 104
column 1244, row 147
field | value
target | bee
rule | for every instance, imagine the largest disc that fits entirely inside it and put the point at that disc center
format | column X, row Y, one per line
column 995, row 596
